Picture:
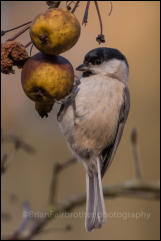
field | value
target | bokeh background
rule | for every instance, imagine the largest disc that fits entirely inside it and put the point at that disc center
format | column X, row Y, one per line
column 134, row 28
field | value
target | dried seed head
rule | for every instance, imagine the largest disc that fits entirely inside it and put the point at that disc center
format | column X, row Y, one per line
column 100, row 38
column 12, row 54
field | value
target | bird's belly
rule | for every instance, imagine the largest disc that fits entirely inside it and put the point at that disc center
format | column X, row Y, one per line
column 97, row 106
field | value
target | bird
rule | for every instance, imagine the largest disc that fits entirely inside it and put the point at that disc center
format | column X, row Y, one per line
column 93, row 128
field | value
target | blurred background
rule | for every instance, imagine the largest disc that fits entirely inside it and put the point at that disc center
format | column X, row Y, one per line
column 133, row 28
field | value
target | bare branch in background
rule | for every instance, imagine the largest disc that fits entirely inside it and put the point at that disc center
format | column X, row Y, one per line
column 18, row 144
column 150, row 191
column 134, row 137
column 33, row 225
column 3, row 163
column 59, row 167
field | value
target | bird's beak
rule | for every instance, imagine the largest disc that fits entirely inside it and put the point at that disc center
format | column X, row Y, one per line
column 82, row 67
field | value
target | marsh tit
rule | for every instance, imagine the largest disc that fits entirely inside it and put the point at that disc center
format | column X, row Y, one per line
column 102, row 103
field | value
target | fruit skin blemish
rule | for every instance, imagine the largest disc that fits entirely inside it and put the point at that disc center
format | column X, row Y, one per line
column 46, row 79
column 55, row 31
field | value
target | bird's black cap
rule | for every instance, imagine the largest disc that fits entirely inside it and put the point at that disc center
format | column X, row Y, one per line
column 99, row 55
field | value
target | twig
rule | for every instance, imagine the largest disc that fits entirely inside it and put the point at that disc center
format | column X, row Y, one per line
column 135, row 154
column 18, row 143
column 31, row 49
column 67, row 228
column 66, row 164
column 59, row 167
column 75, row 6
column 100, row 38
column 3, row 32
column 34, row 225
column 3, row 163
column 28, row 44
column 99, row 17
column 19, row 33
column 85, row 18
column 111, row 8
column 150, row 191
column 6, row 160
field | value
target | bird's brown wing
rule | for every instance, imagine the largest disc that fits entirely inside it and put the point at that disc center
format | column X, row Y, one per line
column 108, row 153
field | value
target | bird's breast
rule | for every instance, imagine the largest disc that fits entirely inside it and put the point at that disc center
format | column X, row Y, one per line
column 98, row 103
column 99, row 95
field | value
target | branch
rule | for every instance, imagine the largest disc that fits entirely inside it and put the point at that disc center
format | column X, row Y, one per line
column 19, row 33
column 3, row 32
column 32, row 224
column 150, row 191
column 100, row 38
column 111, row 8
column 85, row 18
column 134, row 137
column 58, row 167
column 18, row 144
column 75, row 7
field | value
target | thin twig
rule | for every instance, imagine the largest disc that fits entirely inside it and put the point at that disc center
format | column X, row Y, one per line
column 134, row 137
column 58, row 167
column 150, row 191
column 6, row 160
column 75, row 6
column 111, row 8
column 3, row 32
column 66, row 164
column 100, row 38
column 99, row 17
column 3, row 163
column 34, row 225
column 31, row 50
column 85, row 18
column 19, row 33
column 18, row 143
column 53, row 186
column 28, row 44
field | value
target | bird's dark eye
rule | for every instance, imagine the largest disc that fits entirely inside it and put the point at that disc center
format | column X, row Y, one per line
column 97, row 61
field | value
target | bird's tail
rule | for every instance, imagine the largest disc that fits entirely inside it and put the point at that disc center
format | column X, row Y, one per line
column 95, row 207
